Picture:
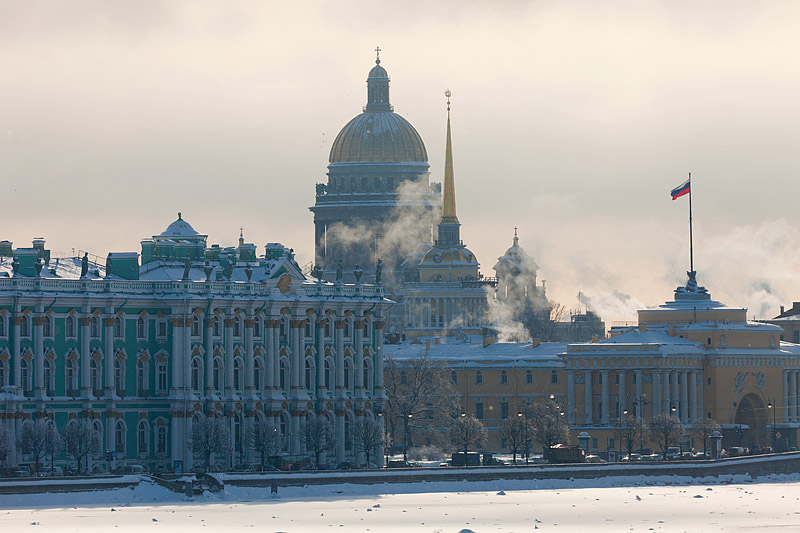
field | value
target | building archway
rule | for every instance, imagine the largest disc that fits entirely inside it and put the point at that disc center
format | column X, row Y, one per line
column 751, row 422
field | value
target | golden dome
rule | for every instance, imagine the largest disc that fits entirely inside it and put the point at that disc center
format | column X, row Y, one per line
column 379, row 137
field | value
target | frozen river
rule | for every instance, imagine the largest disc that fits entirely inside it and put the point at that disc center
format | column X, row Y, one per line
column 630, row 504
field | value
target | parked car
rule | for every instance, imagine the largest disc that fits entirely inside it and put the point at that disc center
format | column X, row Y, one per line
column 595, row 459
column 673, row 453
column 22, row 471
column 736, row 451
column 399, row 463
column 51, row 471
column 632, row 458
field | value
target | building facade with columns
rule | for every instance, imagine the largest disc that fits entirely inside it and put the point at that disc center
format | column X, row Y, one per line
column 692, row 357
column 142, row 350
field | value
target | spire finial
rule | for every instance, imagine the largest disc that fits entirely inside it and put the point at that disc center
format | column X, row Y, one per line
column 516, row 239
column 241, row 236
column 447, row 93
column 179, row 216
column 377, row 55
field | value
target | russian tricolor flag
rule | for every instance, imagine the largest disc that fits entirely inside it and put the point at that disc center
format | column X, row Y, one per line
column 680, row 190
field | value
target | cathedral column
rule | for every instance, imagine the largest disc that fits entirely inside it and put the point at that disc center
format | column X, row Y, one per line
column 228, row 331
column 622, row 393
column 209, row 347
column 87, row 387
column 701, row 387
column 675, row 396
column 571, row 397
column 587, row 397
column 605, row 396
column 666, row 404
column 38, row 357
column 108, row 356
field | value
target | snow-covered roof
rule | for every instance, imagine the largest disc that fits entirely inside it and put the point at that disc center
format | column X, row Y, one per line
column 58, row 268
column 179, row 228
column 472, row 352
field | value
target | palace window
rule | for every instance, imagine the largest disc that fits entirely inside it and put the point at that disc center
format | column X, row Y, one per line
column 95, row 327
column 195, row 375
column 69, row 327
column 257, row 327
column 141, row 328
column 24, row 327
column 161, row 328
column 119, row 376
column 327, row 373
column 196, row 326
column 47, row 326
column 161, row 439
column 503, row 378
column 142, row 436
column 118, row 329
column 478, row 378
column 257, row 374
column 94, row 377
column 454, row 378
column 3, row 373
column 49, row 378
column 554, row 377
column 142, row 385
column 479, row 410
column 162, row 382
column 3, row 329
column 217, row 374
column 119, row 437
column 528, row 377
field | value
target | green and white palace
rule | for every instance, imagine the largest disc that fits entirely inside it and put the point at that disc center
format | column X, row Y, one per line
column 141, row 346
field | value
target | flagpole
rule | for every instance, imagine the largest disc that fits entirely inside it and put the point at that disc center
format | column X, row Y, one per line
column 691, row 245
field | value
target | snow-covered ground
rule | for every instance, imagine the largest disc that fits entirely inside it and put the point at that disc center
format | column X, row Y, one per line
column 666, row 503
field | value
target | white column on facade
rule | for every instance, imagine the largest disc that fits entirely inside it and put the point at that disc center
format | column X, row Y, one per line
column 339, row 341
column 785, row 404
column 656, row 393
column 276, row 352
column 684, row 377
column 186, row 356
column 249, row 364
column 701, row 387
column 639, row 390
column 358, row 341
column 175, row 356
column 605, row 396
column 793, row 396
column 86, row 356
column 209, row 347
column 38, row 356
column 675, row 395
column 298, row 357
column 587, row 397
column 693, row 396
column 228, row 333
column 379, row 325
column 320, row 331
column 666, row 401
column 571, row 397
column 108, row 356
column 430, row 311
column 621, row 392
column 17, row 352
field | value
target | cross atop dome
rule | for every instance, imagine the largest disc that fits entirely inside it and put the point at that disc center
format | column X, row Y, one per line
column 378, row 55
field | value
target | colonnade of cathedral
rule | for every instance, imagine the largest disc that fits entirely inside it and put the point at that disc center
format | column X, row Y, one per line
column 463, row 309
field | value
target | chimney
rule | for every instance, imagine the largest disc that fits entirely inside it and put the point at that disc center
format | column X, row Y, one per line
column 487, row 340
column 782, row 311
column 643, row 327
column 427, row 344
column 535, row 343
column 436, row 340
column 595, row 338
column 796, row 306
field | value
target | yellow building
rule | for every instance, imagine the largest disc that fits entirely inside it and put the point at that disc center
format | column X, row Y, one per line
column 692, row 357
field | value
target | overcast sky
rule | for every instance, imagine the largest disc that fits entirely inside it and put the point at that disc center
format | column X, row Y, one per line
column 571, row 120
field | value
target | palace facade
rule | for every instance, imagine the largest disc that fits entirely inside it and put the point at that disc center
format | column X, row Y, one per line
column 142, row 350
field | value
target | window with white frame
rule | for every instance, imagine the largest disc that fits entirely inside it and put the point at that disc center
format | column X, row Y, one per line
column 95, row 327
column 49, row 377
column 237, row 326
column 216, row 374
column 47, row 327
column 24, row 327
column 119, row 437
column 71, row 376
column 196, row 326
column 161, row 439
column 4, row 373
column 69, row 327
column 94, row 377
column 142, row 381
column 3, row 326
column 141, row 328
column 119, row 376
column 119, row 330
column 161, row 328
column 25, row 377
column 142, row 437
column 237, row 375
column 162, row 381
column 196, row 374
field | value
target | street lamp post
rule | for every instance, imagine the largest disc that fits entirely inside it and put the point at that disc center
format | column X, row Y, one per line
column 771, row 405
column 524, row 421
column 405, row 438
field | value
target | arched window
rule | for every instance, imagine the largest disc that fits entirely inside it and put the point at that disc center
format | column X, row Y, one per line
column 257, row 327
column 24, row 327
column 3, row 328
column 47, row 326
column 98, row 427
column 308, row 375
column 366, row 330
column 142, row 375
column 327, row 373
column 195, row 326
column 283, row 426
column 3, row 373
column 119, row 437
column 25, row 377
column 142, row 437
column 119, row 376
column 162, row 382
column 282, row 374
column 366, row 374
column 161, row 439
column 94, row 377
column 237, row 374
column 217, row 374
column 257, row 374
column 118, row 329
column 308, row 329
column 346, row 331
column 237, row 326
column 196, row 373
column 215, row 326
column 69, row 327
column 141, row 328
column 346, row 373
column 328, row 329
column 348, row 439
column 95, row 327
column 49, row 378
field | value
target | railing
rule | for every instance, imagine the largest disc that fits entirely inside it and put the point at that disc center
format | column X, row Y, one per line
column 330, row 290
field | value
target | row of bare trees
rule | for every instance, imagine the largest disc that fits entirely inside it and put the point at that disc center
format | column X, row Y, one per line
column 41, row 439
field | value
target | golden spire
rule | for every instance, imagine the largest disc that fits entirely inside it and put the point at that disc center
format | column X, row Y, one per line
column 449, row 194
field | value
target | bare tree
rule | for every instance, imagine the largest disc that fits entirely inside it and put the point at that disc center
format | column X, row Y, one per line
column 665, row 430
column 81, row 440
column 547, row 425
column 318, row 436
column 468, row 432
column 368, row 436
column 265, row 439
column 515, row 433
column 702, row 430
column 210, row 435
column 39, row 439
column 628, row 429
column 419, row 393
column 5, row 443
